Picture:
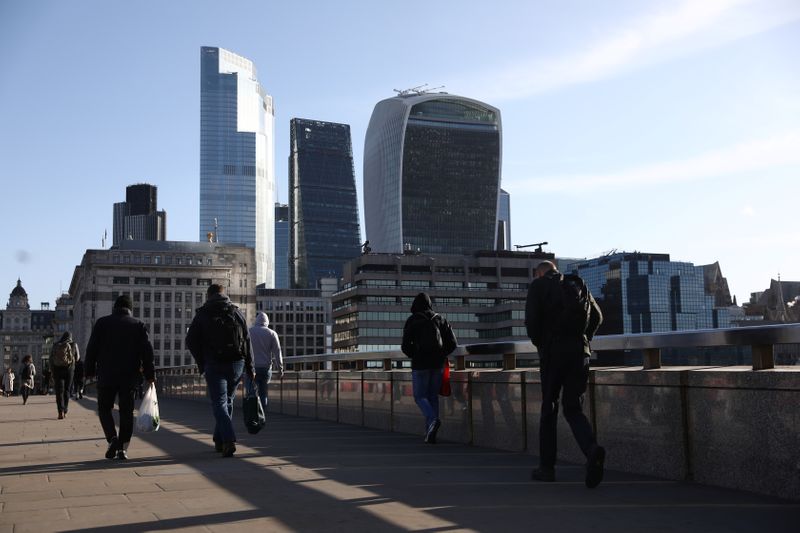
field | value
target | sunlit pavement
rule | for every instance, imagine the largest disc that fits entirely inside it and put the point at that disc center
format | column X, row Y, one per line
column 307, row 475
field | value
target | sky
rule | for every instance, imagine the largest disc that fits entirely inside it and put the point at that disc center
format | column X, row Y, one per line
column 666, row 126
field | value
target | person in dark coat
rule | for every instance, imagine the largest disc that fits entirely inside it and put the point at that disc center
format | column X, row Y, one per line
column 77, row 380
column 427, row 363
column 63, row 374
column 118, row 347
column 221, row 361
column 564, row 366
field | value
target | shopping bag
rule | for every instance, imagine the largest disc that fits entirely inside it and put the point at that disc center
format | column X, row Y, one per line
column 445, row 389
column 148, row 419
column 254, row 418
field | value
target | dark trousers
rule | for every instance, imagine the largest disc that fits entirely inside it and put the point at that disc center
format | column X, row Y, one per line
column 62, row 379
column 564, row 373
column 105, row 405
column 25, row 393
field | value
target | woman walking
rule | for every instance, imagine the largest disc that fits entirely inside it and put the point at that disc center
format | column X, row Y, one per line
column 62, row 361
column 8, row 382
column 28, row 373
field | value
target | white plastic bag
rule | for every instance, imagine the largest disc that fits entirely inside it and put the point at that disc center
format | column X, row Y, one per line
column 148, row 419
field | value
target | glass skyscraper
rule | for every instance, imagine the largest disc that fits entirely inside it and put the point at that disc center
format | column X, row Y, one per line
column 432, row 174
column 138, row 217
column 281, row 246
column 323, row 208
column 237, row 163
column 504, row 221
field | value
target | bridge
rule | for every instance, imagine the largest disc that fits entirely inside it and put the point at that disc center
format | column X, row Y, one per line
column 343, row 450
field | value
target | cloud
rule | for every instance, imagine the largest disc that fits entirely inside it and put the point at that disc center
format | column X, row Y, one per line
column 651, row 38
column 748, row 157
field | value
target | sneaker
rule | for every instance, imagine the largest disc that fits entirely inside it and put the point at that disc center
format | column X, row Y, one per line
column 594, row 467
column 113, row 445
column 228, row 449
column 122, row 455
column 543, row 474
column 430, row 435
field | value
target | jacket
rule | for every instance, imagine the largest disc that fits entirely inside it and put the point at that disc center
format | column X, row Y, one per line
column 197, row 337
column 66, row 338
column 118, row 347
column 542, row 311
column 265, row 344
column 421, row 312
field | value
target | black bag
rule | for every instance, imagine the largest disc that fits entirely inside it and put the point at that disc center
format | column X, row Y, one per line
column 226, row 337
column 575, row 306
column 429, row 336
column 254, row 418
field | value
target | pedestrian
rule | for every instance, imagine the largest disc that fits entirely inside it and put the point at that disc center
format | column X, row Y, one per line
column 427, row 339
column 77, row 382
column 219, row 342
column 561, row 317
column 27, row 374
column 266, row 355
column 46, row 379
column 118, row 348
column 8, row 382
column 62, row 360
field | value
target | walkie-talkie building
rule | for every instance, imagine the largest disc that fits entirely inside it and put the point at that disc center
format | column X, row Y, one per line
column 432, row 174
column 323, row 208
column 237, row 157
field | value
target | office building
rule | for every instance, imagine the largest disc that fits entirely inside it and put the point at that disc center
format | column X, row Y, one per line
column 237, row 163
column 432, row 174
column 138, row 217
column 281, row 246
column 503, row 221
column 323, row 207
column 300, row 317
column 167, row 282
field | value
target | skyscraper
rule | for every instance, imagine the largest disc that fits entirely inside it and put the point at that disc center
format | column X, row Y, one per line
column 504, row 221
column 237, row 164
column 432, row 174
column 138, row 217
column 323, row 208
column 281, row 246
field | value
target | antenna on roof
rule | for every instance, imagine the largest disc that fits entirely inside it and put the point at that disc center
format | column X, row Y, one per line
column 418, row 90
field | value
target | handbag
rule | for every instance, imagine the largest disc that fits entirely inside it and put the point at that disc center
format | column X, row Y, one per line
column 148, row 419
column 254, row 418
column 445, row 389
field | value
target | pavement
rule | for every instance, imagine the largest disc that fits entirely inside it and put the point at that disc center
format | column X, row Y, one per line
column 308, row 475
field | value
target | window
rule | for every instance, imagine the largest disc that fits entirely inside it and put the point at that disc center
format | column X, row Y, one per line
column 163, row 281
column 121, row 280
column 203, row 282
column 141, row 281
column 183, row 281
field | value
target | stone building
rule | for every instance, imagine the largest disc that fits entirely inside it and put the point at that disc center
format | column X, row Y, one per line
column 23, row 331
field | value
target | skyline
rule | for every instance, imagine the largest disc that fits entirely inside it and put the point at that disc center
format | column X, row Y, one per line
column 665, row 128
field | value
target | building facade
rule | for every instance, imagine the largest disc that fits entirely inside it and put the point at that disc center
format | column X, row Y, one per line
column 281, row 246
column 24, row 331
column 300, row 317
column 482, row 296
column 503, row 221
column 167, row 282
column 237, row 157
column 138, row 217
column 323, row 206
column 432, row 174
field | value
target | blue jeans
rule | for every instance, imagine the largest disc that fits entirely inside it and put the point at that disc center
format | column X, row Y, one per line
column 263, row 378
column 222, row 380
column 426, row 392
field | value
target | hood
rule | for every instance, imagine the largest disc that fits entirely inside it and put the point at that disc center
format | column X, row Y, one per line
column 217, row 300
column 262, row 320
column 66, row 337
column 421, row 303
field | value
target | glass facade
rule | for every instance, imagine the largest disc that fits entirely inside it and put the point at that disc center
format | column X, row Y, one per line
column 281, row 246
column 237, row 176
column 504, row 221
column 323, row 208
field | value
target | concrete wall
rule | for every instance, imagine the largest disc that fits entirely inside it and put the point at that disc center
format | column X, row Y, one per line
column 729, row 427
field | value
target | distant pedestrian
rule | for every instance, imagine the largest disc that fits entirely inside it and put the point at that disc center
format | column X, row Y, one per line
column 427, row 339
column 220, row 344
column 8, row 382
column 27, row 374
column 77, row 381
column 266, row 356
column 561, row 317
column 118, row 348
column 63, row 356
column 46, row 379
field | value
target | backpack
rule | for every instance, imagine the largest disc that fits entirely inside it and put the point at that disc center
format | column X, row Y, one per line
column 429, row 337
column 226, row 339
column 62, row 354
column 575, row 306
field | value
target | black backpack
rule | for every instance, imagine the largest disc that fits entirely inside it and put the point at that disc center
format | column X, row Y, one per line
column 226, row 336
column 429, row 336
column 575, row 306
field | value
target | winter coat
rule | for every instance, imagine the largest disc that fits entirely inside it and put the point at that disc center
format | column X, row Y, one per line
column 118, row 347
column 422, row 312
column 28, row 382
column 8, row 381
column 197, row 337
column 265, row 344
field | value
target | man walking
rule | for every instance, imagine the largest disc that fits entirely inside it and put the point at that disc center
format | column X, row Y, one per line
column 118, row 347
column 220, row 345
column 266, row 355
column 561, row 317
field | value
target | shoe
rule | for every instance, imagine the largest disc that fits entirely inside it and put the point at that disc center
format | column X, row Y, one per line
column 113, row 445
column 594, row 467
column 60, row 415
column 122, row 455
column 228, row 449
column 219, row 447
column 543, row 474
column 430, row 435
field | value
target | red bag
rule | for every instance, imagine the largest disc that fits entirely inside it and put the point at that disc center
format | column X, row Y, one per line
column 445, row 389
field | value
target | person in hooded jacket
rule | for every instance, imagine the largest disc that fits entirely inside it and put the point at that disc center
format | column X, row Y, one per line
column 427, row 364
column 266, row 355
column 62, row 375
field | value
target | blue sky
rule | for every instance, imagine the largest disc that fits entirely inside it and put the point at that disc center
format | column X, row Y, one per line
column 661, row 126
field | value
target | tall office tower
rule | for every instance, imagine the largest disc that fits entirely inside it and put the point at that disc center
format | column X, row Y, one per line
column 281, row 246
column 432, row 174
column 323, row 207
column 504, row 221
column 237, row 157
column 138, row 217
